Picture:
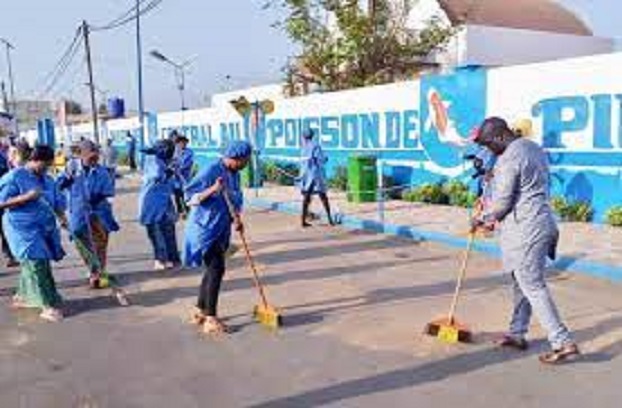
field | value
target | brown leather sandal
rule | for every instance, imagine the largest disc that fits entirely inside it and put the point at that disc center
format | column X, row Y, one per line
column 510, row 342
column 197, row 317
column 213, row 326
column 565, row 354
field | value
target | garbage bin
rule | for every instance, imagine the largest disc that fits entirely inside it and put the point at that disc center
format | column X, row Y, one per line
column 362, row 179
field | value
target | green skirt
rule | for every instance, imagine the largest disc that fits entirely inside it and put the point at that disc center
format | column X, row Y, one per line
column 37, row 287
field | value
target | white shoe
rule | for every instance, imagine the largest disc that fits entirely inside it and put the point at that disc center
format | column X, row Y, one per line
column 159, row 266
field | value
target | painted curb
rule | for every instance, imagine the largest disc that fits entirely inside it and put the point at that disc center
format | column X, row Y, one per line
column 564, row 263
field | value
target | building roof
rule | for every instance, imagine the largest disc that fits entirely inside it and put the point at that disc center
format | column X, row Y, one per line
column 537, row 15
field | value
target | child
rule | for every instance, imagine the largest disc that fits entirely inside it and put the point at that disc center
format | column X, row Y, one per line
column 208, row 229
column 89, row 186
column 32, row 201
column 156, row 210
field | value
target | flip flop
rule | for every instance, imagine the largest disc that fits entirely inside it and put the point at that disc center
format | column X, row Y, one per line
column 565, row 354
column 213, row 326
column 51, row 315
column 510, row 342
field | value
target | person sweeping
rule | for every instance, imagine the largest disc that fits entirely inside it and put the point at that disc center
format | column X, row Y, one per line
column 31, row 202
column 156, row 210
column 88, row 186
column 313, row 176
column 208, row 228
column 528, row 235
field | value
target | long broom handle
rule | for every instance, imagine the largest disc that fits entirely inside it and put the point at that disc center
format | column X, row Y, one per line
column 461, row 275
column 247, row 252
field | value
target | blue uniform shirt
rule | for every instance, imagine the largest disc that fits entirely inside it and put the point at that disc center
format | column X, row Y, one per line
column 210, row 222
column 88, row 190
column 155, row 203
column 312, row 163
column 31, row 229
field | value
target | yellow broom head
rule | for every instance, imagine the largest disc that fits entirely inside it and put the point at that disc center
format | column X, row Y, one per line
column 267, row 316
column 449, row 331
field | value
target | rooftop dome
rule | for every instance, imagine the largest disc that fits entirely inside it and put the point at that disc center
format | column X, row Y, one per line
column 537, row 15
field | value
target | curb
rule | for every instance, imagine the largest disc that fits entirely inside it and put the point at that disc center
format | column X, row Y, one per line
column 564, row 263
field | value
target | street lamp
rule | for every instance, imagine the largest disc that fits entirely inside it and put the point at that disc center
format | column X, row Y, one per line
column 10, row 47
column 180, row 73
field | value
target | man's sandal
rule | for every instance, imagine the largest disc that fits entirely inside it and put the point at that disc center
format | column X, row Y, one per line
column 512, row 343
column 213, row 326
column 562, row 355
column 197, row 317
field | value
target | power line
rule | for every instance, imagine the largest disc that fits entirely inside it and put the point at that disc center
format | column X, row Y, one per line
column 62, row 65
column 129, row 15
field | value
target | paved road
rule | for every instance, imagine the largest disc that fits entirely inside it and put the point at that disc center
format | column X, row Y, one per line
column 354, row 305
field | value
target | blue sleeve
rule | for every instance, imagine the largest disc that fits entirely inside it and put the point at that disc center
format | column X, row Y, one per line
column 59, row 201
column 204, row 179
column 8, row 188
column 104, row 186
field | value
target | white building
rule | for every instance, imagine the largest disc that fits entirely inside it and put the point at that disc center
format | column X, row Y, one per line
column 508, row 32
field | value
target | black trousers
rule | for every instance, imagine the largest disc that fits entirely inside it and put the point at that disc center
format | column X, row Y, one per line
column 214, row 261
column 180, row 203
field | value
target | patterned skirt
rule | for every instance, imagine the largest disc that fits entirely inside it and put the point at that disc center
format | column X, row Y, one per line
column 37, row 287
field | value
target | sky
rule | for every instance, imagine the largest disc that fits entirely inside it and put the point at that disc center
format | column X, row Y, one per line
column 226, row 38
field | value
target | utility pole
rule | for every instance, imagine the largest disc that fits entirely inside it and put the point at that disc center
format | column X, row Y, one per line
column 139, row 61
column 89, row 65
column 10, row 47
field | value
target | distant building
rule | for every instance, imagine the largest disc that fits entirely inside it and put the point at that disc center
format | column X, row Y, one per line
column 508, row 32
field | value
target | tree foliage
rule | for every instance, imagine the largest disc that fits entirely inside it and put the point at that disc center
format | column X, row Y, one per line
column 345, row 46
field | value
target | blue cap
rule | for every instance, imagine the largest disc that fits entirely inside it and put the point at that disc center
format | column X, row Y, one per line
column 238, row 149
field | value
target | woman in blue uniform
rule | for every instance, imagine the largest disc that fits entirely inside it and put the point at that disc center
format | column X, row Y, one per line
column 156, row 210
column 89, row 185
column 31, row 201
column 313, row 176
column 208, row 228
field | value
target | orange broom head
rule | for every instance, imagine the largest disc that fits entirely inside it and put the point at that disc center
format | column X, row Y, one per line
column 449, row 331
column 267, row 316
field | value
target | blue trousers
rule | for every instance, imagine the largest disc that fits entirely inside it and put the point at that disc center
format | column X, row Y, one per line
column 164, row 241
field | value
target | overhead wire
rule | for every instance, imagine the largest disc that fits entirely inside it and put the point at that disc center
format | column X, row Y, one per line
column 62, row 65
column 130, row 15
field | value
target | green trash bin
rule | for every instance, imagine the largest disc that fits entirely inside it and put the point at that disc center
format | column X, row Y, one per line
column 362, row 179
column 247, row 176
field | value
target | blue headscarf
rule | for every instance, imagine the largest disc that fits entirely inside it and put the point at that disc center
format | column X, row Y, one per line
column 163, row 150
column 238, row 149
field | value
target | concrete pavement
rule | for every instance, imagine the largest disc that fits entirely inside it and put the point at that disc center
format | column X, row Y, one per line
column 354, row 303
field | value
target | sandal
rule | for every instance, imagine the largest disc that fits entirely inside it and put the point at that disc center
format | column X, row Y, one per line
column 565, row 354
column 197, row 317
column 19, row 303
column 213, row 326
column 94, row 282
column 51, row 315
column 510, row 342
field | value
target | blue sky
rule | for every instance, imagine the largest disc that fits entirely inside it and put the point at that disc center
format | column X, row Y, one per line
column 229, row 37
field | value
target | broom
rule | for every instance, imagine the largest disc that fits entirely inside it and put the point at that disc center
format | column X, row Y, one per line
column 264, row 313
column 448, row 329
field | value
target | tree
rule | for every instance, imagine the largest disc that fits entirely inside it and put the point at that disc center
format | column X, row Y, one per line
column 344, row 46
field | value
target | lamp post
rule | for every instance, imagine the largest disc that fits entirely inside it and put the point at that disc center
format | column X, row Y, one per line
column 10, row 47
column 180, row 73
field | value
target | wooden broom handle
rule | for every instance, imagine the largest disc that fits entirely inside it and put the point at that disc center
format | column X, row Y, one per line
column 247, row 252
column 461, row 275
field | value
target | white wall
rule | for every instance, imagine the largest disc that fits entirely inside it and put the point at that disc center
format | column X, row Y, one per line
column 496, row 46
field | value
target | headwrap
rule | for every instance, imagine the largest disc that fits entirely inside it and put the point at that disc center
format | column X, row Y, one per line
column 42, row 153
column 308, row 134
column 238, row 149
column 163, row 149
